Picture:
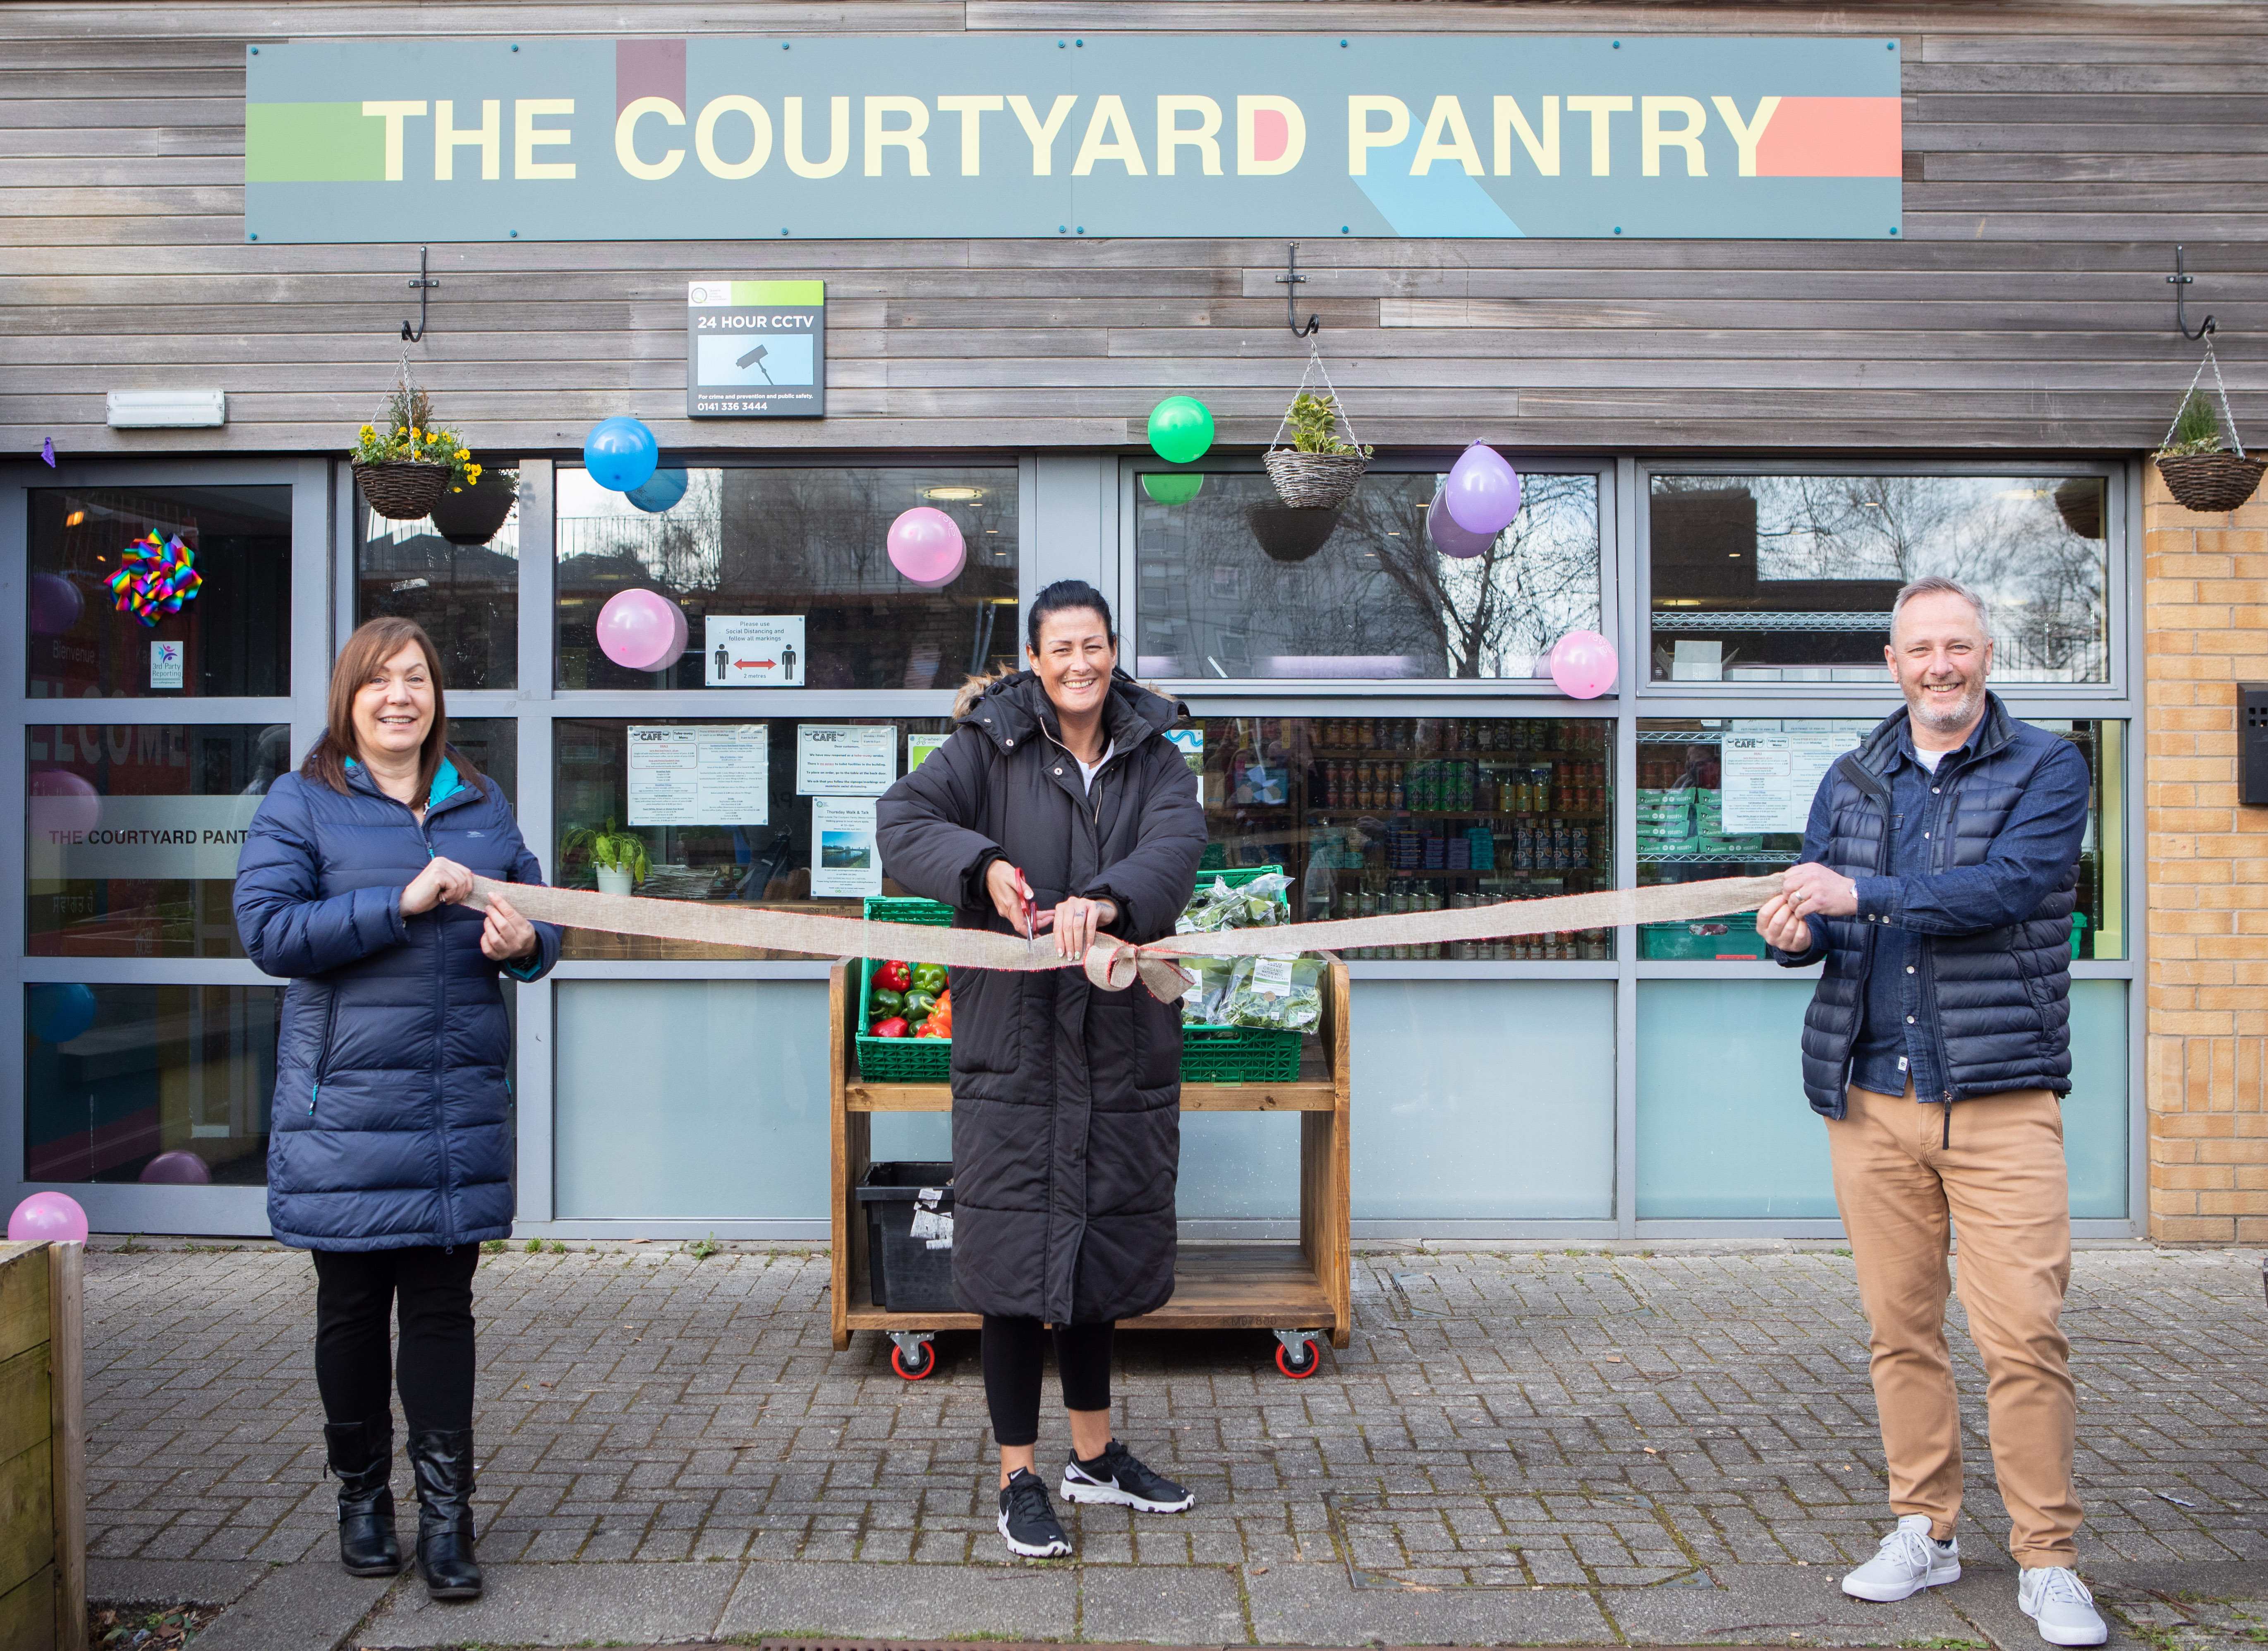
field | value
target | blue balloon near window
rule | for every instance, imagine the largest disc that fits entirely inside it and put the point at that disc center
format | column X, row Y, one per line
column 620, row 453
column 60, row 1012
column 659, row 492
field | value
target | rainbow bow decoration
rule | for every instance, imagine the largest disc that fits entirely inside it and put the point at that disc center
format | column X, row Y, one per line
column 155, row 576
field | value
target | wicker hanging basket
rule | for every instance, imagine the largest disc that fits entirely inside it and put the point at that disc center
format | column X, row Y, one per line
column 1316, row 481
column 2210, row 482
column 2079, row 501
column 401, row 489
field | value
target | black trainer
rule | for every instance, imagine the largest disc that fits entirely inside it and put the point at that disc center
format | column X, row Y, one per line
column 1028, row 1519
column 1115, row 1476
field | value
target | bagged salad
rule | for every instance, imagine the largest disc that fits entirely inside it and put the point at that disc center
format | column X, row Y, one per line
column 1258, row 904
column 1203, row 1004
column 1277, row 994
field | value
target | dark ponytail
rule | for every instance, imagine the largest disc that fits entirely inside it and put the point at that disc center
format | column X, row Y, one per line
column 1066, row 596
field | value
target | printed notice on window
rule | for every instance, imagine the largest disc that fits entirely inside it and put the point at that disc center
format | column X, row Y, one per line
column 844, row 861
column 833, row 759
column 1772, row 771
column 706, row 775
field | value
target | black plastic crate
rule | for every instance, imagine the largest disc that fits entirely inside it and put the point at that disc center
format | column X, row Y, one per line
column 903, row 1273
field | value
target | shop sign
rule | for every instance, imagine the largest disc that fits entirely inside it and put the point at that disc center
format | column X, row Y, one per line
column 756, row 349
column 984, row 136
column 72, row 838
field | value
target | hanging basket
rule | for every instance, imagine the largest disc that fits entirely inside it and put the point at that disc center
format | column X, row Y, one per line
column 2211, row 483
column 1316, row 481
column 472, row 515
column 1291, row 533
column 401, row 489
column 2079, row 501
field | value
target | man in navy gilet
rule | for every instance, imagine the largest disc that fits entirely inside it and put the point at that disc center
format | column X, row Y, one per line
column 1937, row 885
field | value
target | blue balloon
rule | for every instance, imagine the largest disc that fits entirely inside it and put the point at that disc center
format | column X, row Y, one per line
column 661, row 490
column 620, row 453
column 60, row 1013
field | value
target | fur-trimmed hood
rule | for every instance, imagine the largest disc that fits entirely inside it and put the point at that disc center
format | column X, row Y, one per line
column 1022, row 704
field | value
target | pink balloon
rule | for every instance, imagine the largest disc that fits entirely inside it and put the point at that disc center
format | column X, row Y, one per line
column 926, row 546
column 176, row 1169
column 642, row 631
column 64, row 801
column 1483, row 491
column 1451, row 540
column 47, row 1217
column 1583, row 664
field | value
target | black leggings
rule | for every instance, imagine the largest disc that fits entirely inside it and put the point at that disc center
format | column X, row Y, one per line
column 355, row 1295
column 1012, row 1349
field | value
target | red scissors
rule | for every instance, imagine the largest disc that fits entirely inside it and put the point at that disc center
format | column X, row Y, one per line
column 1031, row 907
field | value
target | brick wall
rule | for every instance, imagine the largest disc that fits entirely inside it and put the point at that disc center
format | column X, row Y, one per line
column 2206, row 596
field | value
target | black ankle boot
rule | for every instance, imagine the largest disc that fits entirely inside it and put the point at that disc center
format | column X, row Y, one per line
column 362, row 1455
column 443, row 1462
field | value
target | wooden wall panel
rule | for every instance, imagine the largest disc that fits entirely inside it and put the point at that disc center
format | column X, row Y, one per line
column 2054, row 154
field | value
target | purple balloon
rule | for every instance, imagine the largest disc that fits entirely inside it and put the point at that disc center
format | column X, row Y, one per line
column 926, row 546
column 642, row 631
column 1483, row 491
column 52, row 1218
column 176, row 1169
column 1583, row 664
column 55, row 604
column 1451, row 540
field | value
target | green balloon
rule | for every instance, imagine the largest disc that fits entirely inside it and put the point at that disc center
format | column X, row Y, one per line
column 1181, row 429
column 1178, row 488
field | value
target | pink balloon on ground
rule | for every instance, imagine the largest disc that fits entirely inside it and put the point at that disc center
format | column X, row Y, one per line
column 176, row 1169
column 1483, row 491
column 1583, row 664
column 51, row 1218
column 642, row 631
column 925, row 545
column 1451, row 540
column 64, row 801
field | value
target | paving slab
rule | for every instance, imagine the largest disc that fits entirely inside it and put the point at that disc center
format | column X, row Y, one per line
column 1318, row 1605
column 1162, row 1605
column 1758, row 1604
column 541, row 1604
column 793, row 1599
column 172, row 1582
column 295, row 1608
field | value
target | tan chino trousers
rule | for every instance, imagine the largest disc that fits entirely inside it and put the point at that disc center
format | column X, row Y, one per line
column 2001, row 1182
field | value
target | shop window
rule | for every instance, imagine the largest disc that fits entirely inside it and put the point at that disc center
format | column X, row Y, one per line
column 133, row 831
column 161, row 1084
column 728, row 812
column 491, row 744
column 232, row 637
column 1729, row 797
column 1231, row 585
column 466, row 595
column 784, row 577
column 1381, row 815
column 1789, row 579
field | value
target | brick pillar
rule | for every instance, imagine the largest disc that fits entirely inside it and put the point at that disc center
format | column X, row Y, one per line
column 2206, row 876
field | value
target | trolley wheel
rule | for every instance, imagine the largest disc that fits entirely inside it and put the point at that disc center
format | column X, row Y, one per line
column 924, row 1363
column 1304, row 1368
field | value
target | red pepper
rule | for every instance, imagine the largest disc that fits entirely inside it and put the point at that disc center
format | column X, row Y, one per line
column 895, row 1027
column 894, row 976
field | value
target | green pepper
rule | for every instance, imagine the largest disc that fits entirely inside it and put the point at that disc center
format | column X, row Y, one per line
column 930, row 978
column 919, row 1004
column 886, row 1002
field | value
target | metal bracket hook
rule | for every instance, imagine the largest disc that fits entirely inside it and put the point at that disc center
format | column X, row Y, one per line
column 1288, row 281
column 2179, row 279
column 420, row 286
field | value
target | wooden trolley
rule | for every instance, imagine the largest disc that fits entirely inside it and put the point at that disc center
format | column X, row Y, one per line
column 1299, row 1290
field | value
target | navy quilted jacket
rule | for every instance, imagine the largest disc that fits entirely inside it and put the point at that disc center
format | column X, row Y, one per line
column 393, row 1116
column 1994, row 984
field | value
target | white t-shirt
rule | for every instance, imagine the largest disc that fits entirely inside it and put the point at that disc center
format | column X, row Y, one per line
column 1930, row 759
column 1088, row 770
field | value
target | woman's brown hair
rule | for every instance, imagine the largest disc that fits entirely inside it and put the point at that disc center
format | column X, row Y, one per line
column 370, row 647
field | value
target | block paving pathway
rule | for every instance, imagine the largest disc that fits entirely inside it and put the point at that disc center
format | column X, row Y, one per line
column 1564, row 1446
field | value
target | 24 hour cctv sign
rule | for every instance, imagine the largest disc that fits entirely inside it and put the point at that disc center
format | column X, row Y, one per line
column 1156, row 135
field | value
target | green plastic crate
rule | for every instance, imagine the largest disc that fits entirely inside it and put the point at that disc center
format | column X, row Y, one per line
column 900, row 1059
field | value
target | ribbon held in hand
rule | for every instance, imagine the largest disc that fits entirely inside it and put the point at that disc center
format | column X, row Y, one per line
column 1112, row 964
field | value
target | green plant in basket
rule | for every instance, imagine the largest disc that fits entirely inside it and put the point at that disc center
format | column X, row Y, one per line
column 608, row 848
column 1315, row 421
column 404, row 432
column 2197, row 428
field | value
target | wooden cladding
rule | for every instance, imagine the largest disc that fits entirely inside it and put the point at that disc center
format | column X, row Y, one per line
column 2052, row 161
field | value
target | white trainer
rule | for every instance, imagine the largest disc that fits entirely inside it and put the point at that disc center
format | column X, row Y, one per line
column 1909, row 1560
column 2057, row 1602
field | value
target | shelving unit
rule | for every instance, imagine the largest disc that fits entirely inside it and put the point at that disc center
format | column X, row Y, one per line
column 1299, row 1291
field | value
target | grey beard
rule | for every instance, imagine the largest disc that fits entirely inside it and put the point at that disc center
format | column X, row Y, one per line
column 1959, row 717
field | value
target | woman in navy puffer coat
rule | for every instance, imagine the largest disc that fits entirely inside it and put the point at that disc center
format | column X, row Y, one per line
column 391, row 1151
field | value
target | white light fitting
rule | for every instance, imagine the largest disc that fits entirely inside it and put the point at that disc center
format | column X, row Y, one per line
column 167, row 409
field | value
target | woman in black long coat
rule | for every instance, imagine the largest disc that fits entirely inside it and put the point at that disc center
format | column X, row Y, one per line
column 1059, row 794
